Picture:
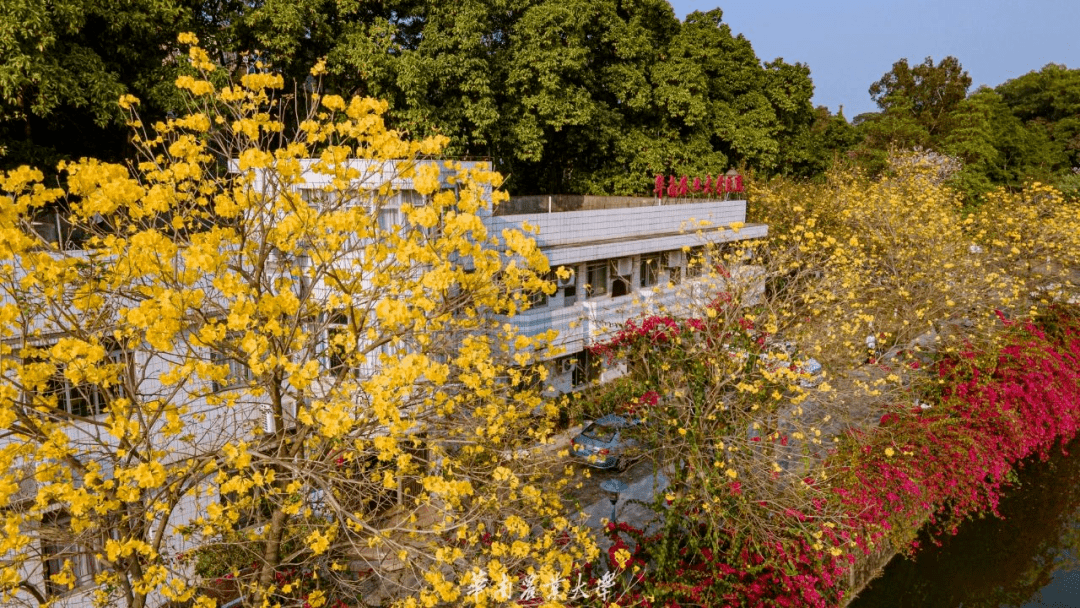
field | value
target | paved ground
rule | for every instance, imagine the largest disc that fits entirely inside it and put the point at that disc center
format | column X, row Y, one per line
column 585, row 495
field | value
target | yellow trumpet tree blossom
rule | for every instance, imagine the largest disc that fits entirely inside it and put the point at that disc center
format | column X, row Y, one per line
column 262, row 361
column 867, row 282
column 902, row 259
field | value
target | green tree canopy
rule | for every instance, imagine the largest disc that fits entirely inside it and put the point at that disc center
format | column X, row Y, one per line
column 593, row 96
column 1026, row 129
column 1049, row 100
column 928, row 92
column 64, row 64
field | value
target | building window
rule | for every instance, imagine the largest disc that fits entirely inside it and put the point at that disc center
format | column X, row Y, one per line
column 650, row 270
column 59, row 547
column 569, row 295
column 78, row 400
column 619, row 287
column 239, row 374
column 565, row 364
column 586, row 370
column 674, row 262
column 580, row 366
column 389, row 219
column 596, row 279
column 695, row 262
column 539, row 297
column 340, row 344
column 318, row 197
column 621, row 280
column 88, row 399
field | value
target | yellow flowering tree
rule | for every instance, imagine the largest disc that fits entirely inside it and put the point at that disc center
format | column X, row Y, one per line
column 262, row 361
column 901, row 258
column 876, row 280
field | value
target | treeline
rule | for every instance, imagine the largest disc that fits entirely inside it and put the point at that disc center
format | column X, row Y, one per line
column 1025, row 129
column 565, row 96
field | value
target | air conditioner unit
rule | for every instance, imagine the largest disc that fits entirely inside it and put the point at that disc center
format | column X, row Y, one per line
column 288, row 416
column 676, row 259
column 268, row 421
column 275, row 260
column 624, row 267
column 565, row 365
column 568, row 281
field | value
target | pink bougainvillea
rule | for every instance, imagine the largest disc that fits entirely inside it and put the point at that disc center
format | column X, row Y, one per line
column 938, row 465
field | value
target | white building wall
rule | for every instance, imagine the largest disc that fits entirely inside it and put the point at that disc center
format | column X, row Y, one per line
column 595, row 226
column 574, row 239
column 570, row 239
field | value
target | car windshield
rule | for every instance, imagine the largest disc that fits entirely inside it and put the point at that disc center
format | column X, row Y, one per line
column 599, row 432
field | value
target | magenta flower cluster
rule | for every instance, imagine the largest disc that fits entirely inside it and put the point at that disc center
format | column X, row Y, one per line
column 679, row 187
column 938, row 466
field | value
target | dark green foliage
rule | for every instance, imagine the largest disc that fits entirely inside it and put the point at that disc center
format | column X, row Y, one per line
column 1026, row 129
column 582, row 96
column 917, row 105
column 565, row 96
column 64, row 64
column 927, row 93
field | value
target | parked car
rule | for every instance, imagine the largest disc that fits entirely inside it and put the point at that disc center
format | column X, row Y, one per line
column 604, row 442
column 783, row 353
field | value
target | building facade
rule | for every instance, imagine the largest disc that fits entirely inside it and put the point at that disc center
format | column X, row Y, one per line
column 621, row 257
column 626, row 257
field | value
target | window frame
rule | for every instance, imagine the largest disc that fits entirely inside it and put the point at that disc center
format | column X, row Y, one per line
column 58, row 551
column 539, row 298
column 596, row 289
column 239, row 372
column 91, row 398
column 335, row 323
column 674, row 271
column 696, row 262
column 649, row 270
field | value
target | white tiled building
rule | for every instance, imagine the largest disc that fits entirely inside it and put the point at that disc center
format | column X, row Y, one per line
column 627, row 256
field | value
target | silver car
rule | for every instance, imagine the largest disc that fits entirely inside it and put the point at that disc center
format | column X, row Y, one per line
column 603, row 442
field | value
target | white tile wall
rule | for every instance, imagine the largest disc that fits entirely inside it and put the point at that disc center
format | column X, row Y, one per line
column 573, row 237
column 579, row 227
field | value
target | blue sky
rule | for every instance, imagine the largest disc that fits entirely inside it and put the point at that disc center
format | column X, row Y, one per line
column 849, row 44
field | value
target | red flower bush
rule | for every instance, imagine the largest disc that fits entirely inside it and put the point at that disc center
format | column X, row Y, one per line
column 939, row 465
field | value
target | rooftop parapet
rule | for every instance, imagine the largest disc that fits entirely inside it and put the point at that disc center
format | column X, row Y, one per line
column 556, row 203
